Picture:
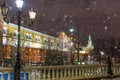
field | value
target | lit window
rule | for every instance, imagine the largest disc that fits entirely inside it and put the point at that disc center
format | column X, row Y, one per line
column 30, row 36
column 37, row 38
column 45, row 40
column 27, row 36
column 15, row 33
column 5, row 30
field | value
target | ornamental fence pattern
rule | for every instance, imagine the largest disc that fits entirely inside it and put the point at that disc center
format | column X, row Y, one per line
column 65, row 72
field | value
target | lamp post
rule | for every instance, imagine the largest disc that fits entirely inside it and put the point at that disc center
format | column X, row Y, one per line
column 77, row 40
column 4, row 11
column 17, row 67
column 32, row 15
column 4, row 8
column 71, row 49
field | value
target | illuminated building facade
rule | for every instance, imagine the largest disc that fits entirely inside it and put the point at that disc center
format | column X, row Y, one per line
column 34, row 45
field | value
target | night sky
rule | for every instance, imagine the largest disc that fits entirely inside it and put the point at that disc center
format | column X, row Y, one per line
column 100, row 18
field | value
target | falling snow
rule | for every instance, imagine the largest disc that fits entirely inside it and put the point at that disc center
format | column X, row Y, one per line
column 100, row 18
column 106, row 28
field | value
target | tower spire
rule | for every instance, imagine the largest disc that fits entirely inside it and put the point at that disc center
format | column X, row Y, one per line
column 89, row 39
column 90, row 45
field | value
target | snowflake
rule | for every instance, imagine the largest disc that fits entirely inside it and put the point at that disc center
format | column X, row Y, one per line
column 106, row 27
column 108, row 17
column 115, row 15
column 104, row 21
column 65, row 16
column 43, row 14
column 71, row 21
column 53, row 19
column 88, row 9
column 115, row 47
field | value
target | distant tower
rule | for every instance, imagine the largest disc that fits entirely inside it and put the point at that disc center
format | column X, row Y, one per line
column 90, row 45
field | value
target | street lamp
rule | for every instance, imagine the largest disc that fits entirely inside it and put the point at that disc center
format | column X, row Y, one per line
column 32, row 15
column 71, row 50
column 77, row 40
column 4, row 8
column 17, row 66
column 4, row 11
column 100, row 56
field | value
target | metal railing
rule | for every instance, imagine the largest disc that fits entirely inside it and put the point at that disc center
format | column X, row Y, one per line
column 66, row 72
